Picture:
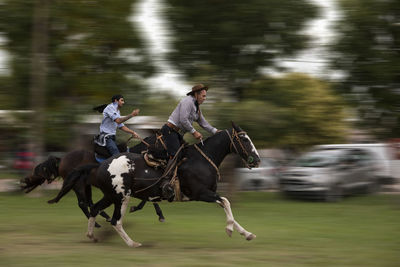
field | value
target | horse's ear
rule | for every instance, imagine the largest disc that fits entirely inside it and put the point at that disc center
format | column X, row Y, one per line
column 236, row 127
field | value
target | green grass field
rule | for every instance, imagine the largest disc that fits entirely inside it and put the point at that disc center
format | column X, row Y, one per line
column 360, row 231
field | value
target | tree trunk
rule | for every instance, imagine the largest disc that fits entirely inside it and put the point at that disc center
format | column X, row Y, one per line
column 39, row 75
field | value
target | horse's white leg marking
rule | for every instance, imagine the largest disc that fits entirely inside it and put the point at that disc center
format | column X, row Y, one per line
column 229, row 216
column 120, row 230
column 231, row 222
column 249, row 236
column 91, row 223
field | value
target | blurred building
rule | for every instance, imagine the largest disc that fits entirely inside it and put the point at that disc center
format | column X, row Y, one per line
column 89, row 127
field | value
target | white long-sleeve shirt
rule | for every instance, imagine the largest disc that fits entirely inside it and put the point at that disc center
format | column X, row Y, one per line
column 185, row 113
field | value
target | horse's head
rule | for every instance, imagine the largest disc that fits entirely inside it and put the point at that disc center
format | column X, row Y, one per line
column 47, row 170
column 244, row 147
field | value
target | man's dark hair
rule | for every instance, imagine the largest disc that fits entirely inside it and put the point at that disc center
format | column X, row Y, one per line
column 116, row 97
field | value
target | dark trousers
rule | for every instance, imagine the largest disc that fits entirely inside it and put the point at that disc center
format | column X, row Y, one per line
column 172, row 139
column 111, row 145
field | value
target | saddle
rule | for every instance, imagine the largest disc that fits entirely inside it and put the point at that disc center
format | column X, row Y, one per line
column 102, row 151
column 153, row 162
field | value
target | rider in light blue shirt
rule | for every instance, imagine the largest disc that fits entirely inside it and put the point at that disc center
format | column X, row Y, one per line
column 112, row 120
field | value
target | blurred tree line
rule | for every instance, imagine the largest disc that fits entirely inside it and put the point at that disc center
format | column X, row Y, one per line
column 94, row 52
column 368, row 52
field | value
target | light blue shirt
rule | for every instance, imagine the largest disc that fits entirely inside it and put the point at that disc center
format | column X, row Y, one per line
column 184, row 115
column 110, row 113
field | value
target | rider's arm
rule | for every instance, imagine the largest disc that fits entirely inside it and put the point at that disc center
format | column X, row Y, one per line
column 127, row 130
column 205, row 125
column 120, row 120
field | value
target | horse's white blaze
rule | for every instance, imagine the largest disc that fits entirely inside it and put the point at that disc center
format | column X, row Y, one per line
column 253, row 148
column 119, row 166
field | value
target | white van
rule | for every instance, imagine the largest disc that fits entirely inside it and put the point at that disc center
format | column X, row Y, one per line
column 388, row 171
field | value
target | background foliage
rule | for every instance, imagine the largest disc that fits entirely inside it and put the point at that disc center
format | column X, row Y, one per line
column 95, row 51
column 367, row 51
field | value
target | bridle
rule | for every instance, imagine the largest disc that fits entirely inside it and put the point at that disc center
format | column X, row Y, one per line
column 235, row 135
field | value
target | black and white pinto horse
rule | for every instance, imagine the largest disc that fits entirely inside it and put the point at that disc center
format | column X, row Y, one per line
column 55, row 167
column 126, row 175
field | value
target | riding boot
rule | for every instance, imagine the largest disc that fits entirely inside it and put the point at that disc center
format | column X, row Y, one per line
column 167, row 189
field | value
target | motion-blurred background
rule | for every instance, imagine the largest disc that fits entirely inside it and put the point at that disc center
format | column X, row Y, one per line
column 293, row 74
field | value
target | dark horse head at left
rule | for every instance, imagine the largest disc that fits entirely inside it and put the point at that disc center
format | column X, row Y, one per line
column 126, row 175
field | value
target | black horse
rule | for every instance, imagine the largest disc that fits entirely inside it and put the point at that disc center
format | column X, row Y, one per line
column 126, row 175
column 55, row 167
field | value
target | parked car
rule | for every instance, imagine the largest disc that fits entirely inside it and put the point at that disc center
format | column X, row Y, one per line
column 262, row 178
column 387, row 160
column 330, row 174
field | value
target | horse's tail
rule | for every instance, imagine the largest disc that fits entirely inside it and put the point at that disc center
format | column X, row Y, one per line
column 80, row 173
column 47, row 170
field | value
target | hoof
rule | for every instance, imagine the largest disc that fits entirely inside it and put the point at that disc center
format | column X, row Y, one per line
column 229, row 231
column 250, row 237
column 132, row 209
column 134, row 244
column 51, row 201
column 91, row 237
column 161, row 219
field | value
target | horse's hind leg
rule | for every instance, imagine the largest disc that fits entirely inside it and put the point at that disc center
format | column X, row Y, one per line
column 159, row 212
column 94, row 211
column 88, row 193
column 119, row 212
column 83, row 203
column 231, row 222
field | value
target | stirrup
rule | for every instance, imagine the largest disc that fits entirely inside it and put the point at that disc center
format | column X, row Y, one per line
column 167, row 190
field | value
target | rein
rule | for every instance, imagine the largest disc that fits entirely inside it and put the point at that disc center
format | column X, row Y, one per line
column 209, row 160
column 236, row 136
column 141, row 139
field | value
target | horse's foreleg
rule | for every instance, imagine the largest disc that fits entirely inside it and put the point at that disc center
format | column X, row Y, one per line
column 249, row 236
column 224, row 203
column 230, row 220
column 119, row 212
column 159, row 212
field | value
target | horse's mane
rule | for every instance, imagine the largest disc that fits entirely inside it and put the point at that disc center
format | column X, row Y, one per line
column 212, row 136
column 48, row 168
